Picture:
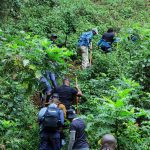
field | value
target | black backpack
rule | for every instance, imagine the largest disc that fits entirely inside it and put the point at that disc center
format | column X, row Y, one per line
column 51, row 118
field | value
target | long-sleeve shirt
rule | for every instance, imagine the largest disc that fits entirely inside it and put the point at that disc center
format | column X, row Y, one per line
column 85, row 39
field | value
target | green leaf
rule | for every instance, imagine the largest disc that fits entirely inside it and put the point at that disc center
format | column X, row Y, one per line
column 32, row 67
column 38, row 74
column 125, row 113
column 119, row 103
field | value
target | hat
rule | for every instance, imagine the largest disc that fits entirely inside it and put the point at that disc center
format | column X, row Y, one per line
column 71, row 113
column 95, row 30
column 54, row 35
column 55, row 95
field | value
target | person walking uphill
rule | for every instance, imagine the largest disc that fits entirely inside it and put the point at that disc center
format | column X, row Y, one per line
column 66, row 93
column 50, row 119
column 85, row 43
column 77, row 132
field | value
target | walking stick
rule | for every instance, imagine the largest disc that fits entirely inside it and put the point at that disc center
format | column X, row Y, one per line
column 77, row 98
column 91, row 55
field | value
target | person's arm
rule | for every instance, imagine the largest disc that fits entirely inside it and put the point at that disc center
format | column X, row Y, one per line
column 79, row 93
column 72, row 139
column 41, row 114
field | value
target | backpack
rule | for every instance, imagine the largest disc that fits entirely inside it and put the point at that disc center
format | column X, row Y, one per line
column 105, row 44
column 51, row 118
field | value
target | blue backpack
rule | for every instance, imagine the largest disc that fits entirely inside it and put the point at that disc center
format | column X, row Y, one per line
column 104, row 44
column 51, row 119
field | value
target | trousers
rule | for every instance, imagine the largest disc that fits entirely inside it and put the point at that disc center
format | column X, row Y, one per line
column 48, row 143
column 85, row 57
column 52, row 77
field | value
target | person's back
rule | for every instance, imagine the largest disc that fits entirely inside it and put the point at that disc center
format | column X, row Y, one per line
column 84, row 44
column 105, row 43
column 50, row 119
column 85, row 39
column 66, row 93
column 109, row 37
column 77, row 132
column 79, row 126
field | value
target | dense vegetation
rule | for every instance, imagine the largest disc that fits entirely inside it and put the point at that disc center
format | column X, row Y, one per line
column 116, row 87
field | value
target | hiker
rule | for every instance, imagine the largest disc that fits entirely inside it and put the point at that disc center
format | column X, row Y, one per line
column 77, row 132
column 84, row 44
column 108, row 142
column 66, row 93
column 53, row 39
column 63, row 108
column 55, row 99
column 105, row 43
column 50, row 120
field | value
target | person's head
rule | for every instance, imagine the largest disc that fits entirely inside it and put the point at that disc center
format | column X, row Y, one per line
column 108, row 142
column 53, row 37
column 55, row 101
column 71, row 114
column 110, row 30
column 95, row 31
column 66, row 81
column 55, row 95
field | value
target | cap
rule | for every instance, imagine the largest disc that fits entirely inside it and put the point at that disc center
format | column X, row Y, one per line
column 55, row 95
column 95, row 30
column 71, row 113
column 54, row 35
